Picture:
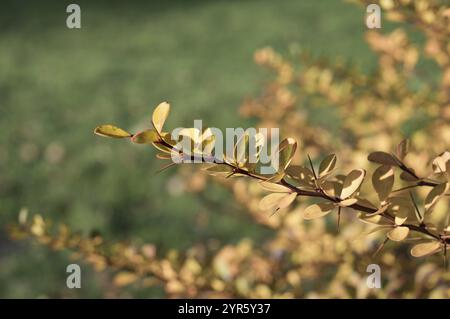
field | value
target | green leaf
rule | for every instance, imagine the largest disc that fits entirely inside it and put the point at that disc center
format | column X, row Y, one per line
column 109, row 130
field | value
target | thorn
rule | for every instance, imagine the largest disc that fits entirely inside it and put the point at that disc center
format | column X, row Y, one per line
column 339, row 219
column 312, row 167
column 276, row 210
column 164, row 168
column 229, row 175
column 380, row 248
column 415, row 206
column 445, row 257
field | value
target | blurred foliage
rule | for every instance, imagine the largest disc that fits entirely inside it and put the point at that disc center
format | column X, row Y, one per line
column 117, row 65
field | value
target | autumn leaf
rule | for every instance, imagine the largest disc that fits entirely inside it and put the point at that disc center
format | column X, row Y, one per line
column 327, row 165
column 383, row 181
column 352, row 182
column 425, row 249
column 160, row 115
column 109, row 130
column 398, row 233
column 383, row 158
column 318, row 210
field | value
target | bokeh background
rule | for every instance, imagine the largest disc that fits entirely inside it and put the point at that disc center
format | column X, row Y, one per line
column 57, row 84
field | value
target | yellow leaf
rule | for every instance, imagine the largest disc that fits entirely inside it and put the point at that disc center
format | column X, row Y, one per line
column 402, row 149
column 124, row 278
column 348, row 202
column 276, row 188
column 383, row 181
column 440, row 163
column 383, row 158
column 283, row 156
column 402, row 208
column 109, row 130
column 271, row 201
column 145, row 137
column 276, row 201
column 219, row 170
column 434, row 195
column 160, row 115
column 425, row 249
column 327, row 165
column 287, row 200
column 303, row 175
column 398, row 233
column 352, row 182
column 317, row 210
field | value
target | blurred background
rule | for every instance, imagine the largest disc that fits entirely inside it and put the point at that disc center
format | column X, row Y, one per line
column 57, row 84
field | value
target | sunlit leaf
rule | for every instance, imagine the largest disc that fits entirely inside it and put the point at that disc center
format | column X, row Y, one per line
column 383, row 158
column 398, row 233
column 241, row 150
column 125, row 278
column 276, row 201
column 283, row 156
column 434, row 195
column 302, row 175
column 440, row 163
column 287, row 200
column 425, row 249
column 407, row 177
column 348, row 202
column 331, row 188
column 383, row 181
column 402, row 208
column 160, row 115
column 219, row 169
column 352, row 182
column 374, row 219
column 145, row 137
column 318, row 210
column 109, row 130
column 377, row 229
column 327, row 165
column 276, row 188
column 403, row 149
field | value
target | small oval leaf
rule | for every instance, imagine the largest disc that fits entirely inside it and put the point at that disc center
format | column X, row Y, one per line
column 352, row 182
column 160, row 115
column 398, row 233
column 327, row 165
column 383, row 181
column 425, row 249
column 317, row 210
column 383, row 158
column 109, row 130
